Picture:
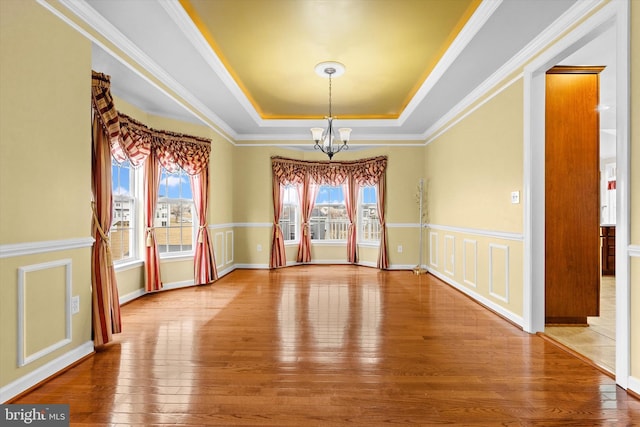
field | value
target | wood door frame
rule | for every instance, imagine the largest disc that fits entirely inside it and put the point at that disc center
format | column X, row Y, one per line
column 614, row 14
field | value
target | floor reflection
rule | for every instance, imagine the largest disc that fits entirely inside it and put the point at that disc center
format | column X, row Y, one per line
column 338, row 320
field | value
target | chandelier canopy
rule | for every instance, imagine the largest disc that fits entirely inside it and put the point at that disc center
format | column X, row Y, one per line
column 324, row 138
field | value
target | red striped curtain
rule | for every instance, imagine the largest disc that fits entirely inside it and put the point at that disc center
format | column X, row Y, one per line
column 205, row 270
column 151, row 255
column 307, row 193
column 104, row 296
column 350, row 188
column 381, row 188
column 278, row 256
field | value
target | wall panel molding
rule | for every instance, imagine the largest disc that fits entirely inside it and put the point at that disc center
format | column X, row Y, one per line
column 467, row 261
column 218, row 248
column 449, row 254
column 492, row 268
column 33, row 248
column 433, row 248
column 228, row 240
column 23, row 331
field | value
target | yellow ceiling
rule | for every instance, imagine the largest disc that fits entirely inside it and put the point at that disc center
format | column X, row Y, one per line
column 270, row 48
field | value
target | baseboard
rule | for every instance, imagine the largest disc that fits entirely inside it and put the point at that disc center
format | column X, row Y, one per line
column 44, row 372
column 633, row 386
column 253, row 266
column 501, row 311
column 131, row 296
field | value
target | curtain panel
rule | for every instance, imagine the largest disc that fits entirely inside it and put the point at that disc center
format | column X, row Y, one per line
column 104, row 288
column 130, row 139
column 278, row 256
column 309, row 175
column 151, row 255
column 205, row 270
column 105, row 302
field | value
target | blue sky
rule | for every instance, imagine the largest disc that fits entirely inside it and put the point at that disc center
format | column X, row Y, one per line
column 171, row 185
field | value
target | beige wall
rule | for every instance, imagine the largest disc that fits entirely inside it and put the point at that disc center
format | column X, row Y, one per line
column 471, row 171
column 45, row 181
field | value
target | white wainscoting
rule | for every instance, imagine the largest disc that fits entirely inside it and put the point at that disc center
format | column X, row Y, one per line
column 470, row 262
column 228, row 239
column 449, row 254
column 218, row 248
column 24, row 325
column 499, row 290
column 433, row 248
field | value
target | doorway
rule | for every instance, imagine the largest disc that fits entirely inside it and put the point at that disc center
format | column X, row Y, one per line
column 594, row 285
column 613, row 15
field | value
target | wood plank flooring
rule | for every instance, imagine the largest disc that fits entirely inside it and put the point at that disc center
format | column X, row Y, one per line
column 330, row 346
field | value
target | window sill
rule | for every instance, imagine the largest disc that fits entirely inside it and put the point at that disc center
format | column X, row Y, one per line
column 182, row 256
column 128, row 265
column 329, row 242
column 374, row 245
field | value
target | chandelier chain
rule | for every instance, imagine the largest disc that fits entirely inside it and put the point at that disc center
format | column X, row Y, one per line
column 330, row 115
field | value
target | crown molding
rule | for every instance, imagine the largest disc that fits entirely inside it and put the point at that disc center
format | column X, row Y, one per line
column 89, row 16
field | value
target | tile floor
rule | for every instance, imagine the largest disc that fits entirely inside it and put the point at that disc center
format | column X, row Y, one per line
column 597, row 341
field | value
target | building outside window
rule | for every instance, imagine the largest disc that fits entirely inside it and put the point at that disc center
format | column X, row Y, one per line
column 369, row 222
column 329, row 220
column 290, row 214
column 123, row 230
column 173, row 220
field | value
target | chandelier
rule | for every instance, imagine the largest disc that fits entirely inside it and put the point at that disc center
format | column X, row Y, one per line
column 324, row 138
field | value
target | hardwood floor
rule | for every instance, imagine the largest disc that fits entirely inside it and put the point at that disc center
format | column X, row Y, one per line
column 597, row 342
column 330, row 346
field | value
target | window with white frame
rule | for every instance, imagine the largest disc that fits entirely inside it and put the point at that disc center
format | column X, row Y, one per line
column 290, row 214
column 173, row 222
column 123, row 232
column 329, row 219
column 369, row 222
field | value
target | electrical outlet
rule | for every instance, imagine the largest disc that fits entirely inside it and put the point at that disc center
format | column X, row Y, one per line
column 75, row 304
column 399, row 249
column 515, row 197
column 259, row 248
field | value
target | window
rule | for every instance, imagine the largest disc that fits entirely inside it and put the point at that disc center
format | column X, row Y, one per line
column 174, row 213
column 123, row 233
column 369, row 223
column 289, row 215
column 329, row 220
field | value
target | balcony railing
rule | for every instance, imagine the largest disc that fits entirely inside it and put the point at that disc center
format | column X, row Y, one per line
column 323, row 228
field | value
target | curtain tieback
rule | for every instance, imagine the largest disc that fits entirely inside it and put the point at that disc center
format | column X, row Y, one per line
column 149, row 241
column 200, row 233
column 103, row 235
column 305, row 228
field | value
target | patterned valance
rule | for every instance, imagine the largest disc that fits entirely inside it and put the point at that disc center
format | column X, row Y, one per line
column 133, row 140
column 191, row 153
column 364, row 172
column 102, row 104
